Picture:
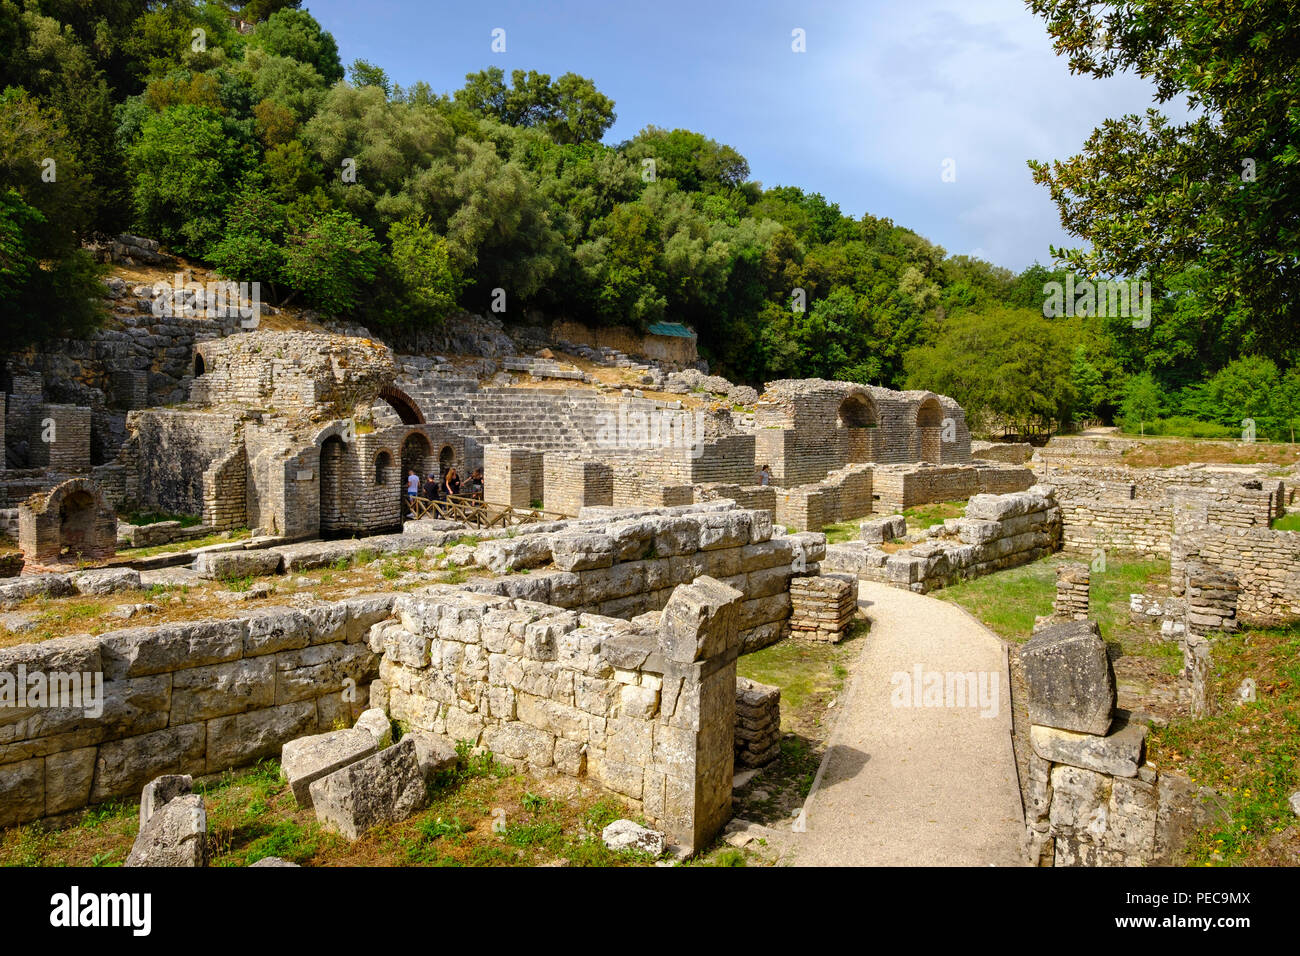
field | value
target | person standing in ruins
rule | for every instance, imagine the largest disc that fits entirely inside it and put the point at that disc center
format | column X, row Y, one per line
column 412, row 491
column 765, row 475
column 452, row 482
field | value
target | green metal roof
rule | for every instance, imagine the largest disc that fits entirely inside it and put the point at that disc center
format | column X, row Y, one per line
column 671, row 328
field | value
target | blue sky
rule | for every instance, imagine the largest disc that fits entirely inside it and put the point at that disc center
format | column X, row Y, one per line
column 886, row 91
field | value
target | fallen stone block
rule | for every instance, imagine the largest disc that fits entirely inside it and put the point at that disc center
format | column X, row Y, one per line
column 377, row 723
column 433, row 752
column 176, row 835
column 105, row 580
column 237, row 564
column 308, row 759
column 386, row 787
column 1119, row 753
column 161, row 791
column 880, row 530
column 1071, row 682
column 273, row 861
column 627, row 835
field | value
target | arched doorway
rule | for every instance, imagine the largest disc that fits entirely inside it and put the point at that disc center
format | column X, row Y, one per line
column 383, row 468
column 332, row 452
column 858, row 424
column 77, row 524
column 199, row 366
column 446, row 458
column 417, row 455
column 929, row 425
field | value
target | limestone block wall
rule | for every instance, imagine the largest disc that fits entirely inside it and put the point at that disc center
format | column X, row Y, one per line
column 225, row 492
column 68, row 429
column 728, row 458
column 508, row 475
column 1102, row 513
column 1012, row 453
column 634, row 488
column 749, row 497
column 1243, row 502
column 630, row 566
column 292, row 370
column 648, row 713
column 195, row 697
column 998, row 531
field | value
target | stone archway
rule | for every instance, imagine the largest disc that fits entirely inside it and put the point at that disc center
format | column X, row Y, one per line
column 929, row 427
column 858, row 424
column 446, row 458
column 199, row 367
column 70, row 525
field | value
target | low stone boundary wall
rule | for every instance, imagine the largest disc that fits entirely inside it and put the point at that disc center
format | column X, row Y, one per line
column 998, row 531
column 840, row 496
column 1012, row 453
column 627, row 567
column 898, row 487
column 647, row 713
column 195, row 697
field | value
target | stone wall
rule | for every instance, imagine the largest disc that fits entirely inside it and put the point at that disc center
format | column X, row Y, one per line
column 627, row 567
column 899, row 487
column 1091, row 798
column 195, row 697
column 1012, row 453
column 1265, row 562
column 843, row 494
column 807, row 428
column 758, row 723
column 169, row 452
column 648, row 713
column 822, row 607
column 572, row 484
column 998, row 531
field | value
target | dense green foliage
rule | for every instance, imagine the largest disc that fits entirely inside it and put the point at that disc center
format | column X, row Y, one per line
column 403, row 206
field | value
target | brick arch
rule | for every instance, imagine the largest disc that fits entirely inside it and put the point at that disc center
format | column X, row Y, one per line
column 857, row 410
column 70, row 524
column 405, row 406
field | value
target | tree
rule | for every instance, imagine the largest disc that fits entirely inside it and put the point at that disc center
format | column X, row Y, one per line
column 1005, row 366
column 571, row 109
column 296, row 34
column 1217, row 192
column 422, row 263
column 251, row 247
column 363, row 73
column 184, row 168
column 1143, row 401
column 331, row 258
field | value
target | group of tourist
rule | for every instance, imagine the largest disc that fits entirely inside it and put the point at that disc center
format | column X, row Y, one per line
column 441, row 488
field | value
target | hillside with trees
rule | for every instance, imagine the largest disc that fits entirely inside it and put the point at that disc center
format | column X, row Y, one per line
column 261, row 154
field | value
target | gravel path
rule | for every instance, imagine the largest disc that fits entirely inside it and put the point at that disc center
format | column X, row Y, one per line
column 917, row 785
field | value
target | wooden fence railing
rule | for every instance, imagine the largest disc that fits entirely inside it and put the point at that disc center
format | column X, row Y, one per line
column 480, row 514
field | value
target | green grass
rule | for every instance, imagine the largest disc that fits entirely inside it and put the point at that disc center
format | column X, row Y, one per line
column 153, row 517
column 1288, row 522
column 1249, row 753
column 219, row 537
column 801, row 669
column 925, row 516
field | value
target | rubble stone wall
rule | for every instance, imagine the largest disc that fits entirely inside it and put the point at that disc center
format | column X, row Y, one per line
column 1264, row 561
